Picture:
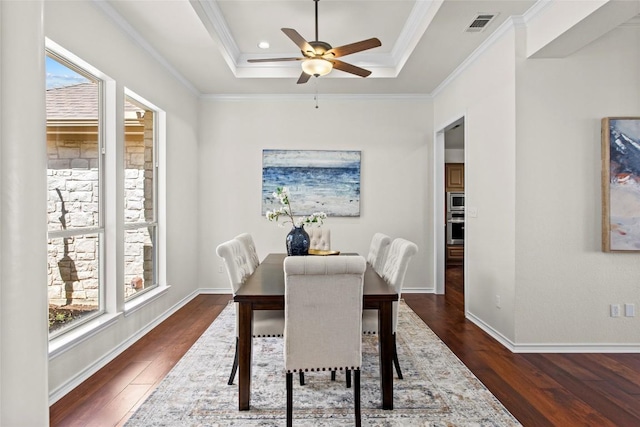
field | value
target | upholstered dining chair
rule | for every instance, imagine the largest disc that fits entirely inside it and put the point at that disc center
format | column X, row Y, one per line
column 323, row 319
column 319, row 238
column 395, row 267
column 250, row 248
column 266, row 323
column 378, row 251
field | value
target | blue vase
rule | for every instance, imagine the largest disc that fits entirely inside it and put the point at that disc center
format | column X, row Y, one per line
column 297, row 241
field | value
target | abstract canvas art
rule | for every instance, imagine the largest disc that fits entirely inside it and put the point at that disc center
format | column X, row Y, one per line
column 318, row 180
column 620, row 184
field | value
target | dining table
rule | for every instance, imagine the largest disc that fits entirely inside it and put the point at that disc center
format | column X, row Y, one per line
column 264, row 290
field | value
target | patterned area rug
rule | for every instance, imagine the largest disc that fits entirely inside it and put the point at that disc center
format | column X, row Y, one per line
column 437, row 389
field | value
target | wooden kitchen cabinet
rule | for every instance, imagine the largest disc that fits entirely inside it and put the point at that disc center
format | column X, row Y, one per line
column 455, row 254
column 454, row 177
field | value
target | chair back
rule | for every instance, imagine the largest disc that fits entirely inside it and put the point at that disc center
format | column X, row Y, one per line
column 236, row 261
column 319, row 238
column 378, row 251
column 323, row 312
column 395, row 268
column 250, row 248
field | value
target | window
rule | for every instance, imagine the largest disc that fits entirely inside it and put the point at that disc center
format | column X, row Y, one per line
column 74, row 197
column 140, row 189
column 91, row 214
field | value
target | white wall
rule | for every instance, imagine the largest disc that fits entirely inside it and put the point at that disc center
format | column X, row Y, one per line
column 565, row 281
column 454, row 156
column 23, row 299
column 83, row 29
column 533, row 173
column 394, row 136
column 484, row 93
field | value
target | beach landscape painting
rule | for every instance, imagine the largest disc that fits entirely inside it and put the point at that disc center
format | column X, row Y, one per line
column 318, row 180
column 620, row 184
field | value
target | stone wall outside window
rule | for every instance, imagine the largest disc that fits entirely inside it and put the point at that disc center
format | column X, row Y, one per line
column 73, row 202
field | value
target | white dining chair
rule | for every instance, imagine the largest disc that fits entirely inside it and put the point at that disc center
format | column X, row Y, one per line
column 250, row 248
column 323, row 319
column 319, row 238
column 266, row 323
column 400, row 253
column 378, row 251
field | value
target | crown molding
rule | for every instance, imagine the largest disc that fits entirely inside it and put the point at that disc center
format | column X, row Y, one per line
column 211, row 17
column 311, row 96
column 135, row 36
column 536, row 9
column 507, row 25
column 419, row 20
column 382, row 65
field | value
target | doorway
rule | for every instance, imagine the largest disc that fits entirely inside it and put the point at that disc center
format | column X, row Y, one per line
column 449, row 155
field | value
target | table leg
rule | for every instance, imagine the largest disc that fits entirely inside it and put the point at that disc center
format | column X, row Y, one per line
column 245, row 326
column 385, row 337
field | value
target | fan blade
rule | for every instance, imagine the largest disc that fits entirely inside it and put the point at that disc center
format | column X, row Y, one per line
column 304, row 46
column 348, row 68
column 275, row 59
column 348, row 49
column 304, row 77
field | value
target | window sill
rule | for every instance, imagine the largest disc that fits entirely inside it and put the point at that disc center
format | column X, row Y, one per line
column 134, row 305
column 67, row 341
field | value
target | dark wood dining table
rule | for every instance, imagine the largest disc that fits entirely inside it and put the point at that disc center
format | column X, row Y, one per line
column 264, row 290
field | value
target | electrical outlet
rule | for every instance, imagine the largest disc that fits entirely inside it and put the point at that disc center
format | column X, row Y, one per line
column 498, row 305
column 220, row 269
column 629, row 310
column 615, row 310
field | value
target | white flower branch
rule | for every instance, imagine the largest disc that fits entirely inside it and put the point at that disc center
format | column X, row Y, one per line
column 282, row 193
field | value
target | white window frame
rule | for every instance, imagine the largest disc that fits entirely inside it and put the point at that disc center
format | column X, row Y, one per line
column 160, row 136
column 154, row 223
column 111, row 224
column 70, row 60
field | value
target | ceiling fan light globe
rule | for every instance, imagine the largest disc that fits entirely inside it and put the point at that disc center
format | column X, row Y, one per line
column 317, row 67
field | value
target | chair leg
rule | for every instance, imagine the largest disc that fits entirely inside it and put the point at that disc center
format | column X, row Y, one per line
column 234, row 368
column 301, row 378
column 348, row 375
column 289, row 399
column 395, row 358
column 356, row 396
column 333, row 375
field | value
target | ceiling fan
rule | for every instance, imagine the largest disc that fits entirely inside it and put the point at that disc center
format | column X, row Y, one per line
column 319, row 58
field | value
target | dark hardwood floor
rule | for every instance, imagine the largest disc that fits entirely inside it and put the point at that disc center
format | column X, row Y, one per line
column 538, row 389
column 109, row 397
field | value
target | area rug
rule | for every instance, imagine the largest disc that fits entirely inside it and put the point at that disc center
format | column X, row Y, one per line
column 437, row 389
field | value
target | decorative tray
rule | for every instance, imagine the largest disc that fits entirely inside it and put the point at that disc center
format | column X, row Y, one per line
column 322, row 252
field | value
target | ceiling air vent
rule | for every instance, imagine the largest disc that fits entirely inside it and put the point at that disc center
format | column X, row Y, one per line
column 479, row 23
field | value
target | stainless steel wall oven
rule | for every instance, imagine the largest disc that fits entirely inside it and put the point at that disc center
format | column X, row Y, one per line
column 455, row 228
column 455, row 202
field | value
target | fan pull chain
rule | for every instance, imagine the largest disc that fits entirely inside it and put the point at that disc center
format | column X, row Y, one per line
column 316, row 96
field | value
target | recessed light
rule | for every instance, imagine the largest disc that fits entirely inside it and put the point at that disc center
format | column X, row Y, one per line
column 263, row 45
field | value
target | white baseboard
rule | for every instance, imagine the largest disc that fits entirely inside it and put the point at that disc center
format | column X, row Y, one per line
column 577, row 348
column 496, row 335
column 225, row 290
column 83, row 375
column 410, row 290
column 553, row 347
